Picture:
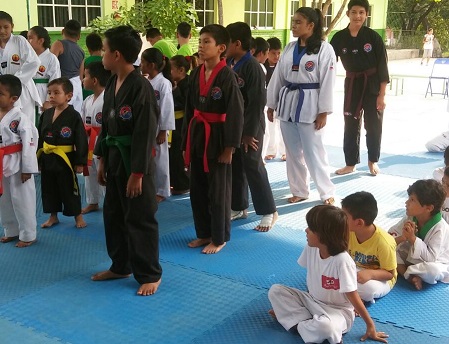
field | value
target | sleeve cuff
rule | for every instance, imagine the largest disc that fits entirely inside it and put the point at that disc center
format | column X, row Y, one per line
column 138, row 175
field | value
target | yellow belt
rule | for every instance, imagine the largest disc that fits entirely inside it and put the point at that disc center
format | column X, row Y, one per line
column 60, row 151
column 179, row 114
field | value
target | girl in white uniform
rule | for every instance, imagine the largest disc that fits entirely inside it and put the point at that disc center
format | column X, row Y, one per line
column 158, row 69
column 18, row 58
column 326, row 312
column 18, row 202
column 301, row 90
column 49, row 68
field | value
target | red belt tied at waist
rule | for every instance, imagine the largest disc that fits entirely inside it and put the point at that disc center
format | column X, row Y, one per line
column 206, row 118
column 92, row 133
column 7, row 150
column 348, row 98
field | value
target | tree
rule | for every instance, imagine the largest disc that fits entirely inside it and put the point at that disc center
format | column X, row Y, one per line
column 410, row 14
column 324, row 6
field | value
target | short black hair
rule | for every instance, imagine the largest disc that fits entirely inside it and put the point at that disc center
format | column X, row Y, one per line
column 97, row 71
column 153, row 32
column 125, row 40
column 218, row 33
column 180, row 61
column 275, row 43
column 67, row 86
column 331, row 225
column 362, row 3
column 184, row 29
column 446, row 156
column 428, row 192
column 361, row 205
column 6, row 16
column 260, row 45
column 72, row 28
column 446, row 171
column 42, row 32
column 240, row 31
column 94, row 41
column 24, row 34
column 12, row 83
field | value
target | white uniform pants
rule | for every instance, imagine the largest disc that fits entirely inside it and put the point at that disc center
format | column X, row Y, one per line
column 429, row 272
column 439, row 143
column 162, row 175
column 94, row 191
column 77, row 99
column 27, row 105
column 18, row 207
column 305, row 152
column 316, row 322
column 273, row 143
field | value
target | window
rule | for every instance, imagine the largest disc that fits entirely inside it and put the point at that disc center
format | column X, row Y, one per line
column 205, row 11
column 55, row 13
column 295, row 5
column 369, row 17
column 259, row 13
column 327, row 17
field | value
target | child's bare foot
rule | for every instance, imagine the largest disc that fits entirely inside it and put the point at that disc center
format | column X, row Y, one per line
column 270, row 157
column 8, row 239
column 212, row 248
column 267, row 222
column 416, row 281
column 271, row 312
column 22, row 244
column 52, row 220
column 373, row 168
column 147, row 289
column 345, row 170
column 296, row 199
column 160, row 198
column 284, row 157
column 79, row 221
column 90, row 208
column 107, row 275
column 199, row 242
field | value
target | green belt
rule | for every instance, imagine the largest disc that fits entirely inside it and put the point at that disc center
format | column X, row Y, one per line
column 123, row 143
column 41, row 81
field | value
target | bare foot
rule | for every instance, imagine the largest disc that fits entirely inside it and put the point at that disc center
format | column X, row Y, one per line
column 296, row 199
column 160, row 198
column 22, row 244
column 270, row 157
column 329, row 201
column 267, row 222
column 8, row 239
column 147, row 289
column 284, row 157
column 199, row 242
column 271, row 312
column 416, row 281
column 107, row 275
column 79, row 221
column 373, row 168
column 90, row 208
column 345, row 170
column 52, row 220
column 212, row 248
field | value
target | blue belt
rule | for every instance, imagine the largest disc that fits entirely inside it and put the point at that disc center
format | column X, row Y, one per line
column 301, row 87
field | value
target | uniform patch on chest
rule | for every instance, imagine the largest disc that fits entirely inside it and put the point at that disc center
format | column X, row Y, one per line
column 367, row 47
column 14, row 126
column 157, row 94
column 98, row 117
column 41, row 70
column 330, row 283
column 309, row 66
column 66, row 132
column 344, row 50
column 216, row 93
column 125, row 113
column 15, row 59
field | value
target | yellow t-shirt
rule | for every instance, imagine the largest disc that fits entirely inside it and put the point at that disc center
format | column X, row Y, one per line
column 378, row 252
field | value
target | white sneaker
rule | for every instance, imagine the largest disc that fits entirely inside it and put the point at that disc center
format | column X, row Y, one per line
column 239, row 214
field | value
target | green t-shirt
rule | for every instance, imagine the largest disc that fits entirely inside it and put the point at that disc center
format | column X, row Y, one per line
column 168, row 49
column 185, row 50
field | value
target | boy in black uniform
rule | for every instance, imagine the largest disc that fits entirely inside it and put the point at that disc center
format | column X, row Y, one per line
column 130, row 115
column 62, row 153
column 247, row 165
column 212, row 129
column 362, row 52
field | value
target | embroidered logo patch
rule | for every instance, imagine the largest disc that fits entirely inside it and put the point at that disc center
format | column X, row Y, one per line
column 241, row 82
column 309, row 66
column 157, row 94
column 42, row 69
column 344, row 50
column 367, row 47
column 216, row 93
column 66, row 132
column 355, row 51
column 330, row 283
column 125, row 113
column 49, row 134
column 88, row 120
column 14, row 126
column 15, row 59
column 98, row 117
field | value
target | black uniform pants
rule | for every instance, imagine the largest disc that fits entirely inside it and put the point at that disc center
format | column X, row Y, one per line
column 179, row 179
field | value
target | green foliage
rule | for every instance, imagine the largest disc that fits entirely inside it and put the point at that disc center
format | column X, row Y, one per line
column 162, row 14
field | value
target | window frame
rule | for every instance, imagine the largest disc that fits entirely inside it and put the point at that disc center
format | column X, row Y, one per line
column 250, row 12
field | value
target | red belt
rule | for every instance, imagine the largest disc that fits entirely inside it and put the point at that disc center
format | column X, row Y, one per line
column 206, row 118
column 7, row 150
column 348, row 99
column 92, row 133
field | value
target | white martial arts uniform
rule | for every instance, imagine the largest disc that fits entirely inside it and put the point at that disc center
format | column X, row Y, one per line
column 18, row 202
column 303, row 144
column 428, row 258
column 91, row 112
column 441, row 142
column 77, row 99
column 324, row 313
column 163, row 91
column 273, row 142
column 49, row 70
column 19, row 59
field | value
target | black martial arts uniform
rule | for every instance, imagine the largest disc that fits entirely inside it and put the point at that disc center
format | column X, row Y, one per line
column 248, row 167
column 132, row 232
column 59, row 183
column 220, row 103
column 365, row 60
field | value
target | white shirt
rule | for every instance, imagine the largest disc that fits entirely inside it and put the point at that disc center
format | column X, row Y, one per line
column 163, row 91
